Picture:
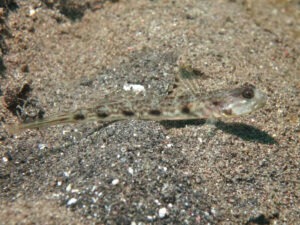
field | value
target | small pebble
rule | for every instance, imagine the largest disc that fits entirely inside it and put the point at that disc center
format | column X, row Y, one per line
column 157, row 202
column 67, row 173
column 115, row 181
column 150, row 217
column 32, row 11
column 4, row 159
column 69, row 187
column 130, row 170
column 42, row 146
column 170, row 145
column 72, row 201
column 162, row 212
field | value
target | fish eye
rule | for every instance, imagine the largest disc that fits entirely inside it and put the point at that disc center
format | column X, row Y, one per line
column 248, row 93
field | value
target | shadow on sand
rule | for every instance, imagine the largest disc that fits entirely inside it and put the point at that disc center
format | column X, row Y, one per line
column 241, row 130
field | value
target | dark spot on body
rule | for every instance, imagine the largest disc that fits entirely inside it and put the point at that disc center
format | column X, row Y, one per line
column 127, row 113
column 155, row 112
column 186, row 109
column 227, row 112
column 102, row 115
column 41, row 114
column 216, row 103
column 79, row 116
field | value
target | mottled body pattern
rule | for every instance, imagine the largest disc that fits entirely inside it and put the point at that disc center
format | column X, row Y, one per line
column 230, row 103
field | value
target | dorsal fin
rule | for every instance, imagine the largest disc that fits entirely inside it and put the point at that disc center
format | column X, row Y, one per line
column 187, row 81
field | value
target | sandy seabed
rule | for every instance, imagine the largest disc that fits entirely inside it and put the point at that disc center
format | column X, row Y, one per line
column 62, row 55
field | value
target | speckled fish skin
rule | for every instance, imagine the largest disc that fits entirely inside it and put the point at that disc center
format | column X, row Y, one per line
column 232, row 103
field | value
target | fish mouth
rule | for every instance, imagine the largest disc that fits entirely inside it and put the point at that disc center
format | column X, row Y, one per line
column 262, row 100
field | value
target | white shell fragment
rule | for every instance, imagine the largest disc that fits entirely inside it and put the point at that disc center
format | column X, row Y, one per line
column 134, row 87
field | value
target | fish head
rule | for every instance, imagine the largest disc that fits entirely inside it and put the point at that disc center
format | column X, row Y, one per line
column 242, row 100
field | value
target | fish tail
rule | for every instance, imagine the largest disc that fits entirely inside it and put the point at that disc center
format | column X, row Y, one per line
column 17, row 128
